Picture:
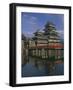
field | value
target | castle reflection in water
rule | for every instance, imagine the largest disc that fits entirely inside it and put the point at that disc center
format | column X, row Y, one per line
column 44, row 52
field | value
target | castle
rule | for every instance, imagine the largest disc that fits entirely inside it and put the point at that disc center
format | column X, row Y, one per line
column 45, row 44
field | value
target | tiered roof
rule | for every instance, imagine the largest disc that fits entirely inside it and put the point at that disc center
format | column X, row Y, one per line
column 49, row 34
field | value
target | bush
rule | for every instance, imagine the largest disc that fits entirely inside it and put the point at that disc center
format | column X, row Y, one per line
column 52, row 58
column 62, row 58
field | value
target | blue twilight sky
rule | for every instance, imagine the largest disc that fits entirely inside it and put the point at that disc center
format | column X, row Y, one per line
column 30, row 22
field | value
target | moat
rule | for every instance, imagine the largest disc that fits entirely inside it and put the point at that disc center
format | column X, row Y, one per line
column 38, row 67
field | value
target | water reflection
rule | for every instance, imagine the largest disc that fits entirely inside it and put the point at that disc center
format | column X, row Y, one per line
column 38, row 67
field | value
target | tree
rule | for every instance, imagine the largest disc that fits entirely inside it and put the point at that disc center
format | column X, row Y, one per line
column 23, row 37
column 35, row 38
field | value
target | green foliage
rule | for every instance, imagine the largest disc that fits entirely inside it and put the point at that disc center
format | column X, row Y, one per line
column 52, row 58
column 62, row 58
